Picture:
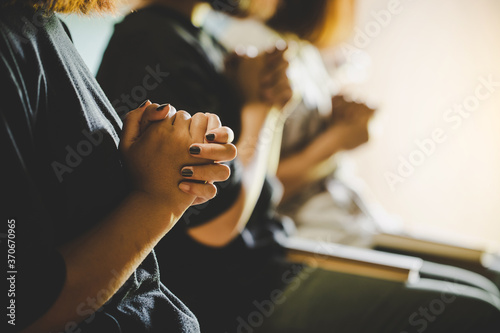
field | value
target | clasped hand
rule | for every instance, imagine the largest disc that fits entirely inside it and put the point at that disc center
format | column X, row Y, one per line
column 173, row 157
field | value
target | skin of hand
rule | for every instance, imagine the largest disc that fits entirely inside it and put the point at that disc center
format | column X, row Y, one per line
column 274, row 83
column 155, row 157
column 262, row 83
column 214, row 143
column 261, row 79
column 349, row 123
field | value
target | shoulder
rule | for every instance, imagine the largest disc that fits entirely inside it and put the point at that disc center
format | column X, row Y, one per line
column 152, row 25
column 156, row 33
column 17, row 53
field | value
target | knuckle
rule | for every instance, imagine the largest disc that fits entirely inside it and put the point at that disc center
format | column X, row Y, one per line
column 128, row 116
column 227, row 134
column 222, row 135
column 199, row 116
column 213, row 116
column 184, row 114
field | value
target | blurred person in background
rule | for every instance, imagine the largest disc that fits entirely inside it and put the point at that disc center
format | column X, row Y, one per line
column 324, row 204
column 321, row 125
column 229, row 267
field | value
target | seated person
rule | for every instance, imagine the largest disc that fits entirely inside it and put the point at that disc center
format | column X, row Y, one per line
column 228, row 265
column 88, row 200
column 320, row 126
column 322, row 204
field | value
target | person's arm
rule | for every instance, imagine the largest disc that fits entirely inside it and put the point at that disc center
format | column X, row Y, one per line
column 57, row 286
column 348, row 130
column 256, row 150
column 301, row 168
column 189, row 84
column 100, row 261
column 265, row 95
column 219, row 148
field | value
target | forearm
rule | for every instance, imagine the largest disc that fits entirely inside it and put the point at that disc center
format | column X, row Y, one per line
column 253, row 118
column 100, row 261
column 221, row 230
column 300, row 168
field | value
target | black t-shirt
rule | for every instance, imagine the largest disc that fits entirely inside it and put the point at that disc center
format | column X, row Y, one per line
column 61, row 174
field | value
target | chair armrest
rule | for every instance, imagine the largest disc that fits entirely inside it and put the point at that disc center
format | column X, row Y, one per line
column 415, row 245
column 346, row 259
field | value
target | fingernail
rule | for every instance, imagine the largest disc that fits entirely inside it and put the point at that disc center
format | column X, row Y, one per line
column 187, row 172
column 210, row 137
column 184, row 187
column 194, row 150
column 143, row 103
column 161, row 107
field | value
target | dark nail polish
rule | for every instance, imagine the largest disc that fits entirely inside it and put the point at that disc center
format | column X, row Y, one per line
column 143, row 103
column 161, row 107
column 187, row 172
column 210, row 137
column 195, row 150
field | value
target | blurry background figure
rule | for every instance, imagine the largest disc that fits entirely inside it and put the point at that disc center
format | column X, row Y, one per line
column 410, row 167
column 323, row 124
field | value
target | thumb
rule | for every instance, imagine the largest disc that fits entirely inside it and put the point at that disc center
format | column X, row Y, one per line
column 131, row 126
column 155, row 113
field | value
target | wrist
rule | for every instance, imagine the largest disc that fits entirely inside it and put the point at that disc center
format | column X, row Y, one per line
column 160, row 205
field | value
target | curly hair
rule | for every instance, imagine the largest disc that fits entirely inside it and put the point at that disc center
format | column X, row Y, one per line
column 64, row 6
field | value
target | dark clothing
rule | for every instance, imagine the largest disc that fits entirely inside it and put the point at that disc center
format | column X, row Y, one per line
column 237, row 288
column 195, row 82
column 219, row 284
column 62, row 174
column 190, row 61
column 132, row 71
